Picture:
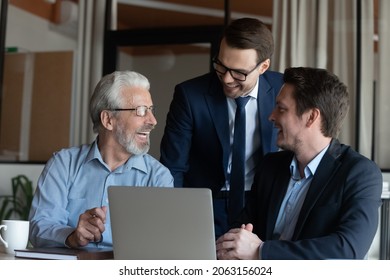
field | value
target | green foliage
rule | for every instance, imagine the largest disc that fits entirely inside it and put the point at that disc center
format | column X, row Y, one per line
column 18, row 204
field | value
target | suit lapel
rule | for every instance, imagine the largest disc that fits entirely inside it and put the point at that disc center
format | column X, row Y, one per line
column 328, row 165
column 217, row 105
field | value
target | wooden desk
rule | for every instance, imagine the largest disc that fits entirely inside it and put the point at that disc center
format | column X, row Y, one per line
column 4, row 256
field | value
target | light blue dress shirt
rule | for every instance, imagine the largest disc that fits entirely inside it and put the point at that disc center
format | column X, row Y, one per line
column 294, row 198
column 75, row 180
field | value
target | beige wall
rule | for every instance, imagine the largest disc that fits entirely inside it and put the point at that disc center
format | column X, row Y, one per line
column 164, row 72
column 36, row 105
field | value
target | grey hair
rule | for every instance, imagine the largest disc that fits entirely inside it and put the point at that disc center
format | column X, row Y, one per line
column 107, row 96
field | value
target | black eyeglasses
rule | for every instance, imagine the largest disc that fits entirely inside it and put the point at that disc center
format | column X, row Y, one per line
column 236, row 74
column 139, row 110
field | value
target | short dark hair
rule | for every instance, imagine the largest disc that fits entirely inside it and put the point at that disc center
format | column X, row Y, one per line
column 318, row 88
column 250, row 33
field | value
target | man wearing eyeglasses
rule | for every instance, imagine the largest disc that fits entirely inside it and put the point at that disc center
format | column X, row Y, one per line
column 199, row 145
column 70, row 206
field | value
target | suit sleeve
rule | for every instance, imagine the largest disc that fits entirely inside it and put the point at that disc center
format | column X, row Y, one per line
column 176, row 141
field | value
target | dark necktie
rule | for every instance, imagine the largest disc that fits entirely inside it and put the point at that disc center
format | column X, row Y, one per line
column 237, row 173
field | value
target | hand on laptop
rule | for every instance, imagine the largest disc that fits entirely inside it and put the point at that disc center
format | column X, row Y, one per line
column 239, row 243
column 89, row 228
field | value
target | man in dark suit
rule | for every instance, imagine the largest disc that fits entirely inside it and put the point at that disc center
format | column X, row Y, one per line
column 316, row 199
column 198, row 138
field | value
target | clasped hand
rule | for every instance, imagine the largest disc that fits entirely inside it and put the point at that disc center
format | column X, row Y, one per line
column 239, row 244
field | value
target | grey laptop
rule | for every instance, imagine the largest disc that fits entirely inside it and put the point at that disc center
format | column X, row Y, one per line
column 152, row 223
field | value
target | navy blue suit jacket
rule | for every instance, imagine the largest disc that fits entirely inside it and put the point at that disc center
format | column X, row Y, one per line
column 195, row 145
column 339, row 216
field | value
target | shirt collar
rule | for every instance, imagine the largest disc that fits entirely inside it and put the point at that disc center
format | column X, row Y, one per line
column 311, row 167
column 255, row 91
column 135, row 161
column 94, row 152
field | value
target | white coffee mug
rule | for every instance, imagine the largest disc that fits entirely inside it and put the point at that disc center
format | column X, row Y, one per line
column 14, row 235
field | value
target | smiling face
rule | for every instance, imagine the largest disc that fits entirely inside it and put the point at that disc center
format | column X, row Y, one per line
column 131, row 131
column 284, row 116
column 242, row 60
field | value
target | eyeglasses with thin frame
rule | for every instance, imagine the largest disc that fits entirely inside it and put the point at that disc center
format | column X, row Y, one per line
column 140, row 111
column 236, row 74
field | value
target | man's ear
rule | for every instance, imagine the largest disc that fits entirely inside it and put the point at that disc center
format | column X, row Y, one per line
column 106, row 118
column 264, row 66
column 313, row 117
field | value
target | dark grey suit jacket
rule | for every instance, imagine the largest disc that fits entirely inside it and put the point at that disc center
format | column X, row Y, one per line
column 339, row 216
